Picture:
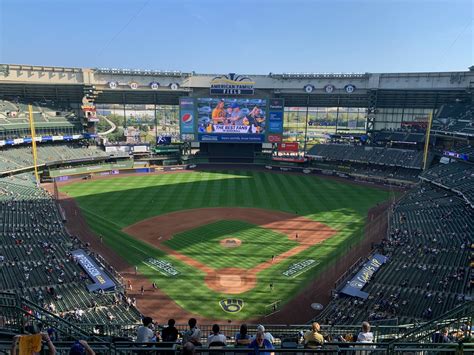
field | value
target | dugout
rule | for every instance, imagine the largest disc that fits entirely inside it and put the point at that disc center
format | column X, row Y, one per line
column 230, row 152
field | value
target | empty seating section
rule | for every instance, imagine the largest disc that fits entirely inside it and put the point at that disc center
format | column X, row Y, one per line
column 369, row 155
column 365, row 171
column 428, row 273
column 13, row 158
column 35, row 259
column 455, row 118
column 458, row 177
column 13, row 112
column 49, row 117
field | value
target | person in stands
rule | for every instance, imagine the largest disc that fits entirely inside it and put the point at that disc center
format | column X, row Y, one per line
column 216, row 338
column 188, row 349
column 193, row 334
column 365, row 336
column 441, row 336
column 260, row 343
column 170, row 333
column 313, row 337
column 145, row 333
column 266, row 335
column 242, row 338
column 34, row 341
column 81, row 347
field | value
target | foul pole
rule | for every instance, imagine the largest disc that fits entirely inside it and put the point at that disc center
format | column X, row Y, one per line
column 33, row 143
column 427, row 140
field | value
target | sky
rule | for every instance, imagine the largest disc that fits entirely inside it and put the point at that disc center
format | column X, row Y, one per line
column 248, row 37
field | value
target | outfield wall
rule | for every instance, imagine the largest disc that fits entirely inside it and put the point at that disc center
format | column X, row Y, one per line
column 131, row 168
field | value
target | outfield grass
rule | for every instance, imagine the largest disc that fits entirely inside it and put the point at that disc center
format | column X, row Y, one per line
column 112, row 204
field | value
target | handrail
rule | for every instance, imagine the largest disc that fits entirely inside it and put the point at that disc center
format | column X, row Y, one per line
column 335, row 348
column 27, row 308
column 463, row 311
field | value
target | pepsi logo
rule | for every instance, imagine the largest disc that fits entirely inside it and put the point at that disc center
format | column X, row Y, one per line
column 187, row 118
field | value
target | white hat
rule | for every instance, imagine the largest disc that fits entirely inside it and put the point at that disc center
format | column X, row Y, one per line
column 261, row 328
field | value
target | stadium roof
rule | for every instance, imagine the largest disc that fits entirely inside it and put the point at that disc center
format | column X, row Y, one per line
column 423, row 90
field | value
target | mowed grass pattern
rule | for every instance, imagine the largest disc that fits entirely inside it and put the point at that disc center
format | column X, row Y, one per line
column 112, row 204
column 203, row 244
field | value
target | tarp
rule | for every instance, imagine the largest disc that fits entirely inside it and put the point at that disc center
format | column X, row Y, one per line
column 363, row 276
column 101, row 279
column 128, row 164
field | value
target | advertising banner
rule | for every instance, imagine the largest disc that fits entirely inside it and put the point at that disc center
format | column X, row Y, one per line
column 163, row 140
column 162, row 266
column 274, row 138
column 232, row 138
column 288, row 147
column 186, row 115
column 275, row 116
column 290, row 160
column 298, row 268
column 275, row 127
column 101, row 280
column 355, row 285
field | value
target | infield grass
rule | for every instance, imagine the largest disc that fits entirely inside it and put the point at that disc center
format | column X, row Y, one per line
column 206, row 248
column 112, row 204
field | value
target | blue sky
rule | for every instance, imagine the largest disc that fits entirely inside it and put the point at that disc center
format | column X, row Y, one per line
column 252, row 37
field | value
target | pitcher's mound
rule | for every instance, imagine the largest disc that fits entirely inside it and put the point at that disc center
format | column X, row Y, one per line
column 230, row 242
column 231, row 281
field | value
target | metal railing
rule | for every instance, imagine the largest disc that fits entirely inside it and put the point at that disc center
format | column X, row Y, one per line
column 126, row 348
column 453, row 319
column 17, row 312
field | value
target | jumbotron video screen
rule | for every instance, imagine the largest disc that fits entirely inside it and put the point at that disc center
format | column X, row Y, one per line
column 231, row 120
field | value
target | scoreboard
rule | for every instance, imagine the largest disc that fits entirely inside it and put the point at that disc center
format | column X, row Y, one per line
column 231, row 120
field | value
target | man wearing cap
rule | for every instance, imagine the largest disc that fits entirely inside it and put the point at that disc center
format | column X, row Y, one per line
column 266, row 335
column 237, row 116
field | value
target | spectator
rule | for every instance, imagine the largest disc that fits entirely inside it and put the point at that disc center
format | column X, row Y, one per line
column 188, row 349
column 313, row 337
column 35, row 341
column 193, row 335
column 81, row 348
column 260, row 343
column 170, row 333
column 242, row 338
column 215, row 338
column 266, row 335
column 441, row 336
column 145, row 332
column 365, row 336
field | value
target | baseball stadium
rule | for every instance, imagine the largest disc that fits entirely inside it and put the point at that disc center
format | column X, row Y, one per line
column 138, row 204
